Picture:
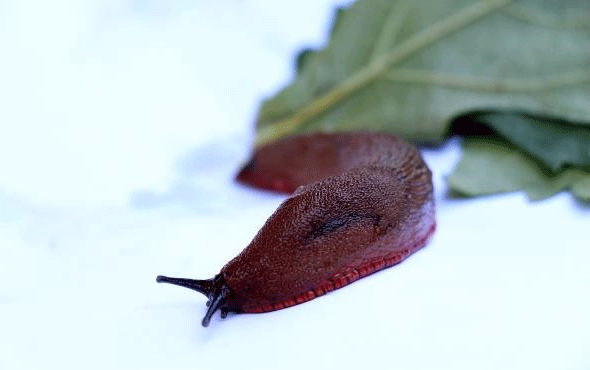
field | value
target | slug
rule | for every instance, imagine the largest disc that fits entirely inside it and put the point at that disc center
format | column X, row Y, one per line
column 362, row 202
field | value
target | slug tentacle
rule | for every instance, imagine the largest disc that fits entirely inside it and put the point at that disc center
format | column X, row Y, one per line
column 202, row 286
column 216, row 290
column 218, row 301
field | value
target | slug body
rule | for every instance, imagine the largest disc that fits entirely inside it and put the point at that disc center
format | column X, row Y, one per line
column 362, row 202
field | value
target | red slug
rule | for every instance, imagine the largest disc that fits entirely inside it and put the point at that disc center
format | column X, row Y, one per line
column 362, row 202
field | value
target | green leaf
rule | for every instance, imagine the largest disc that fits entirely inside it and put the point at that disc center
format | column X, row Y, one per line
column 555, row 142
column 409, row 66
column 490, row 166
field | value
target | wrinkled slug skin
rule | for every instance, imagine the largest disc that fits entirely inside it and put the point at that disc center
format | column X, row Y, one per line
column 371, row 205
column 361, row 202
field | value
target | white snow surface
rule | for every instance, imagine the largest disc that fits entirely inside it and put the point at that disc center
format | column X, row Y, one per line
column 122, row 125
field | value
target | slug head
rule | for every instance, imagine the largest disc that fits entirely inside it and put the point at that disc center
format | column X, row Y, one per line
column 215, row 289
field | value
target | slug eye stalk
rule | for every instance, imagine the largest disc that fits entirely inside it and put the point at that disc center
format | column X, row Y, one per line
column 216, row 290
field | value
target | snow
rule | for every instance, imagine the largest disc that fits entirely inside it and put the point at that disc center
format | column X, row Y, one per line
column 122, row 124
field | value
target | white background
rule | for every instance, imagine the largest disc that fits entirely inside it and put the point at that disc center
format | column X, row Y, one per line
column 121, row 126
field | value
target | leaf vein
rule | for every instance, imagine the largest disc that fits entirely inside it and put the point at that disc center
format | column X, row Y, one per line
column 375, row 70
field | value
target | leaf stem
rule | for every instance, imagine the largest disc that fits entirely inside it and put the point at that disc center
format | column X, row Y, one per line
column 375, row 69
